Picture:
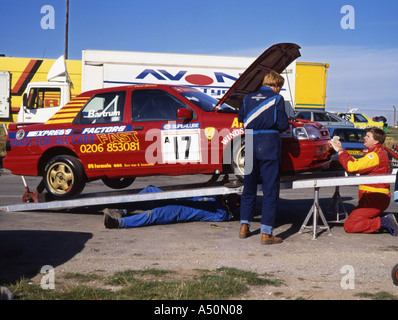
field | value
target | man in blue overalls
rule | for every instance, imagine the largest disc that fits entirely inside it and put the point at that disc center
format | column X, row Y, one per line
column 263, row 115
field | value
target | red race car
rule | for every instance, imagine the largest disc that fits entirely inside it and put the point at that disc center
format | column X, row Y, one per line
column 121, row 133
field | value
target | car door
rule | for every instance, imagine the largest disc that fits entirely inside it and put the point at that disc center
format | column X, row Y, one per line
column 165, row 142
column 100, row 135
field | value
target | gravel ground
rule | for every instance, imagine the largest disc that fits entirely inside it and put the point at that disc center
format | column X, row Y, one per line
column 77, row 241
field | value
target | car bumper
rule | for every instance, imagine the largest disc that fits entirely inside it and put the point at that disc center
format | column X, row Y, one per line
column 22, row 165
column 306, row 156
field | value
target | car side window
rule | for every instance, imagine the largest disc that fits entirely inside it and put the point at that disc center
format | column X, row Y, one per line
column 320, row 117
column 359, row 118
column 104, row 108
column 154, row 105
column 333, row 118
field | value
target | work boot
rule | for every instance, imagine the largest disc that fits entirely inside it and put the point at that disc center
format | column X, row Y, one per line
column 114, row 213
column 111, row 222
column 390, row 222
column 244, row 231
column 269, row 239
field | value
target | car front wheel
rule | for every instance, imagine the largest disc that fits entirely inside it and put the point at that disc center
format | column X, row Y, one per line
column 64, row 177
column 238, row 159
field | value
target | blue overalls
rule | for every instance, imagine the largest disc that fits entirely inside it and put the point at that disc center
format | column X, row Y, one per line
column 263, row 115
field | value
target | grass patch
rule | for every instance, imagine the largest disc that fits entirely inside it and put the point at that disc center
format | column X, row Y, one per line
column 382, row 295
column 148, row 284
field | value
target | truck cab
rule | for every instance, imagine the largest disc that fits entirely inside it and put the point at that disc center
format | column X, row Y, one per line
column 42, row 100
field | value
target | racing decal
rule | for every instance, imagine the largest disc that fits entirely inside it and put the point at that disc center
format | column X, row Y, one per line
column 180, row 143
column 236, row 124
column 230, row 136
column 49, row 133
column 181, row 146
column 179, row 126
column 108, row 129
column 209, row 132
column 69, row 111
column 112, row 138
column 112, row 142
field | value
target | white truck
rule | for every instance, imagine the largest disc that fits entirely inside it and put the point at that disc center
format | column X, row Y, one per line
column 42, row 100
column 5, row 93
column 102, row 69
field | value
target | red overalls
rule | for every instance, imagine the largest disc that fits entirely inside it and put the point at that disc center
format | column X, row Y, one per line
column 373, row 198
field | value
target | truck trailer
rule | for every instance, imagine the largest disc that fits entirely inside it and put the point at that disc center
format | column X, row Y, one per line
column 32, row 90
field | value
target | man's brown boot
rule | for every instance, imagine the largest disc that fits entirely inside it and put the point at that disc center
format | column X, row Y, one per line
column 269, row 239
column 244, row 231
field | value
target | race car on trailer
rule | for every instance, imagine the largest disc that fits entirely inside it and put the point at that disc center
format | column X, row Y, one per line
column 121, row 133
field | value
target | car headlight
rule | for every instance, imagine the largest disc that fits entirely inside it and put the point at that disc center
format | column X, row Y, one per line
column 307, row 133
column 300, row 133
column 313, row 133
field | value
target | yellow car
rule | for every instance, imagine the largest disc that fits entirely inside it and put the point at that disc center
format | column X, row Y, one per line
column 361, row 121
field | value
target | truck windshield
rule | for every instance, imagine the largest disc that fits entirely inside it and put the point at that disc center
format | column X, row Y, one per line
column 44, row 98
column 206, row 102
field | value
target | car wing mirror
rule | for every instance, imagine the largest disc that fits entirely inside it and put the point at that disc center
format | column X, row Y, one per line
column 184, row 114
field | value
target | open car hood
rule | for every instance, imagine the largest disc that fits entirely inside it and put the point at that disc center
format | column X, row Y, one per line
column 276, row 57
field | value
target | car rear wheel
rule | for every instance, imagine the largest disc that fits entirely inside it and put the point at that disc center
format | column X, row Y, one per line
column 118, row 183
column 238, row 159
column 64, row 177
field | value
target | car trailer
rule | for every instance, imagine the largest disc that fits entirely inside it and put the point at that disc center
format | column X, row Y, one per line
column 305, row 181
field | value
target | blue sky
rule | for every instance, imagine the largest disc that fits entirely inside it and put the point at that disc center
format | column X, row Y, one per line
column 363, row 61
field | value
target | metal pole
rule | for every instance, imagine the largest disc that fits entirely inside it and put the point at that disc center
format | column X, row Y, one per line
column 66, row 29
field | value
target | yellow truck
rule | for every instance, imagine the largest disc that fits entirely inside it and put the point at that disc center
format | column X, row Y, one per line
column 45, row 91
column 311, row 85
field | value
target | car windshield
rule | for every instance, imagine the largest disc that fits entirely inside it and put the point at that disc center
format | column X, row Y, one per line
column 206, row 102
column 350, row 135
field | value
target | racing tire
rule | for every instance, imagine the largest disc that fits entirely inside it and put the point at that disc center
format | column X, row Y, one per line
column 238, row 159
column 394, row 275
column 64, row 177
column 118, row 183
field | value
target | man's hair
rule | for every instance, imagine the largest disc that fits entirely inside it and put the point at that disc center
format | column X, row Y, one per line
column 273, row 79
column 378, row 134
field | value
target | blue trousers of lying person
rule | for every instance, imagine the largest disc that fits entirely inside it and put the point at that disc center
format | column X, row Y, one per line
column 194, row 209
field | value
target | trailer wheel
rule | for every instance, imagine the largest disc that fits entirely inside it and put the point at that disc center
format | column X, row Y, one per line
column 394, row 275
column 64, row 177
column 238, row 159
column 116, row 183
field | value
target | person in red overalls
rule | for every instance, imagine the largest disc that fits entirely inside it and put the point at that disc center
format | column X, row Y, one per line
column 373, row 198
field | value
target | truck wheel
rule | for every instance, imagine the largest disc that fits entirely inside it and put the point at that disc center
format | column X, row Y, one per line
column 238, row 159
column 64, row 177
column 116, row 183
column 394, row 275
